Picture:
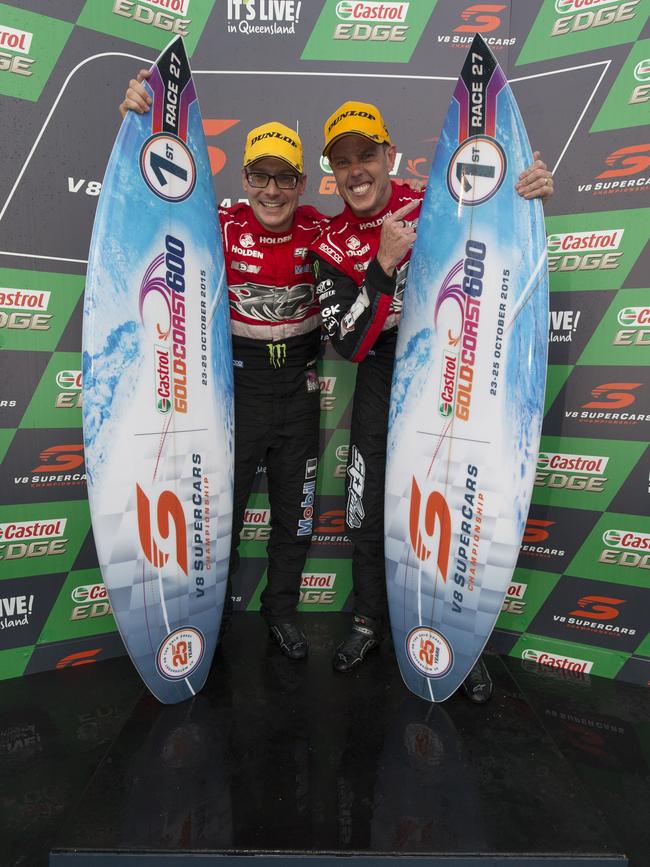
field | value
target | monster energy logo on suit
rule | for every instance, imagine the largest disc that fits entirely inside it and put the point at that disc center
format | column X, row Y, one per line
column 277, row 354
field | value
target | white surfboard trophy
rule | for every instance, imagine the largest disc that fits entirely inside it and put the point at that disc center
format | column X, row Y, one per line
column 468, row 388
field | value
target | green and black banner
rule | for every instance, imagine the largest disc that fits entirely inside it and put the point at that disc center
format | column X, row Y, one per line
column 579, row 602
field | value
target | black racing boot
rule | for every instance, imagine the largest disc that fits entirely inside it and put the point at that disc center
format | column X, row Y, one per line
column 365, row 636
column 290, row 639
column 477, row 686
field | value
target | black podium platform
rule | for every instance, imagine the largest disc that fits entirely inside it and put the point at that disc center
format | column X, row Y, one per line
column 279, row 762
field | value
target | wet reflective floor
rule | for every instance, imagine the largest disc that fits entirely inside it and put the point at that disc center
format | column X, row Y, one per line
column 288, row 757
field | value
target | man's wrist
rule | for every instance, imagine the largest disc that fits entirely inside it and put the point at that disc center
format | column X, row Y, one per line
column 379, row 278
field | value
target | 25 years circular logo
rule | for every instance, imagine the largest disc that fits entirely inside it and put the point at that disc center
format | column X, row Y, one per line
column 429, row 652
column 180, row 653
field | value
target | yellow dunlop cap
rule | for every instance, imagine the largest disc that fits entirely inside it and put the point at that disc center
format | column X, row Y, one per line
column 356, row 118
column 274, row 140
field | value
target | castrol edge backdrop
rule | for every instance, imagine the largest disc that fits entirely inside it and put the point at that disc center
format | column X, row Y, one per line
column 578, row 603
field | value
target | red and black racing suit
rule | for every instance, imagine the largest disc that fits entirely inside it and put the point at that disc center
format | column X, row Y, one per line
column 275, row 322
column 360, row 307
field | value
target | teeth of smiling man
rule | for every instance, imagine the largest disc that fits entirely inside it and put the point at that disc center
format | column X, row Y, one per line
column 272, row 204
column 360, row 189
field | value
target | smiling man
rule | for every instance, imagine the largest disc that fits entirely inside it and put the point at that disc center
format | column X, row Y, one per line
column 275, row 323
column 361, row 267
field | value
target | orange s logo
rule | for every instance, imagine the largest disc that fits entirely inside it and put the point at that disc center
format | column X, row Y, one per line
column 436, row 508
column 82, row 657
column 632, row 160
column 535, row 530
column 482, row 23
column 614, row 395
column 598, row 607
column 60, row 458
column 169, row 506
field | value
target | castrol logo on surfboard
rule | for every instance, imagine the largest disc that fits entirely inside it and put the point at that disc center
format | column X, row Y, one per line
column 162, row 313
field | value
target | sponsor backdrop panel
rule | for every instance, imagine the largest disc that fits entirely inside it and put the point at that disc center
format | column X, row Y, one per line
column 578, row 602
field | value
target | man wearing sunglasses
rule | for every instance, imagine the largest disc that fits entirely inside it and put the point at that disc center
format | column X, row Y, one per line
column 361, row 267
column 275, row 324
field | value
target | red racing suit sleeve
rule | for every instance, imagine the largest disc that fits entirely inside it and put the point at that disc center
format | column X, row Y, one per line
column 353, row 315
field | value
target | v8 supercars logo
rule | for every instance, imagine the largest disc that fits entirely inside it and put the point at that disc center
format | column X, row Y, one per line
column 598, row 607
column 481, row 18
column 628, row 170
column 612, row 404
column 535, row 541
column 596, row 616
column 484, row 18
column 613, row 395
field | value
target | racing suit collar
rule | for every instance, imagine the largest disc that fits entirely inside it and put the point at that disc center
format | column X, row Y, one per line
column 376, row 219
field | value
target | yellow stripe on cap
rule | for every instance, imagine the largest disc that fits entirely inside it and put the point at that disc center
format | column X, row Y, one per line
column 355, row 118
column 274, row 140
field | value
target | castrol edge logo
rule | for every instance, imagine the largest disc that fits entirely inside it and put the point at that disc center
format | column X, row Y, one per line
column 15, row 40
column 41, row 529
column 602, row 239
column 257, row 517
column 89, row 593
column 634, row 317
column 347, row 10
column 318, row 580
column 586, row 464
column 571, row 472
column 572, row 7
column 176, row 7
column 69, row 380
column 627, row 540
column 556, row 660
column 24, row 299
